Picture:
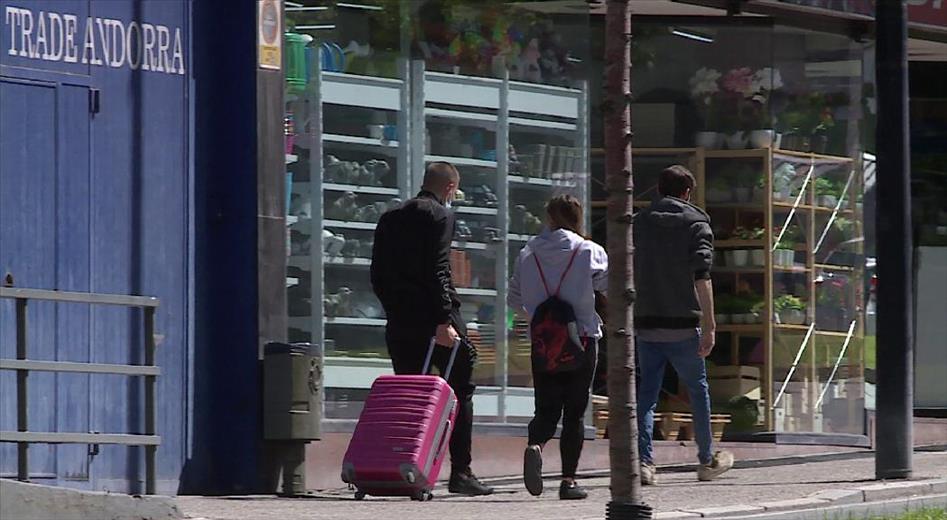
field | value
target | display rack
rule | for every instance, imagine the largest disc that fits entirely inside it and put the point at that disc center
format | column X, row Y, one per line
column 799, row 363
column 488, row 114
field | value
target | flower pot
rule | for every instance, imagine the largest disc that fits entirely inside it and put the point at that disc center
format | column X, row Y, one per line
column 741, row 257
column 743, row 194
column 797, row 142
column 780, row 196
column 728, row 260
column 737, row 140
column 762, row 138
column 784, row 257
column 792, row 317
column 828, row 201
column 758, row 258
column 722, row 319
column 711, row 140
column 737, row 319
column 748, row 318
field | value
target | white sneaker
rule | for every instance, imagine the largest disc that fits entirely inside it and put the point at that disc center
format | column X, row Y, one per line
column 721, row 463
column 649, row 475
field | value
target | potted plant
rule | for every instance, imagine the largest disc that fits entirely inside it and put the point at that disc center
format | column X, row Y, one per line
column 783, row 176
column 704, row 88
column 718, row 190
column 757, row 311
column 723, row 305
column 805, row 121
column 831, row 311
column 790, row 310
column 736, row 88
column 764, row 83
column 826, row 192
column 785, row 253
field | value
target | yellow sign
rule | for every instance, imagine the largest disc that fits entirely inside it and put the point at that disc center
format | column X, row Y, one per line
column 270, row 34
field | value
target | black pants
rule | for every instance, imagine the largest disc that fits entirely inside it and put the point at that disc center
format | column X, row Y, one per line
column 408, row 349
column 565, row 395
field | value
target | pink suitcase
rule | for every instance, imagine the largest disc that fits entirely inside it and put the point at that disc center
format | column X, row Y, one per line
column 402, row 435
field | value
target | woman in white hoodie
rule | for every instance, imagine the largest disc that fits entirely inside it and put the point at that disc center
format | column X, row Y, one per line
column 561, row 262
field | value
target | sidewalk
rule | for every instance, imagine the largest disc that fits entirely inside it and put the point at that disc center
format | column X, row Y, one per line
column 678, row 491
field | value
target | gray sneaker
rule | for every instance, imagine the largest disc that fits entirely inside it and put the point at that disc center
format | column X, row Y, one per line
column 721, row 463
column 649, row 475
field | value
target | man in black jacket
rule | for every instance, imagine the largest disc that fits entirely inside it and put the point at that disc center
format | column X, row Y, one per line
column 411, row 276
column 674, row 313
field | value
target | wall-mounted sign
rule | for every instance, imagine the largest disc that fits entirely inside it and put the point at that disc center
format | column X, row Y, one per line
column 103, row 42
column 270, row 34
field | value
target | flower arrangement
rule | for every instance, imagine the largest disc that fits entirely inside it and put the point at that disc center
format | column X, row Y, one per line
column 704, row 89
column 737, row 100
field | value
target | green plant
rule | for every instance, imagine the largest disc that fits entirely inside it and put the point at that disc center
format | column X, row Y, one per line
column 825, row 186
column 843, row 225
column 788, row 302
column 807, row 115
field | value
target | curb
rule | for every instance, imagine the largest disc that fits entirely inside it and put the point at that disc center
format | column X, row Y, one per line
column 24, row 500
column 822, row 501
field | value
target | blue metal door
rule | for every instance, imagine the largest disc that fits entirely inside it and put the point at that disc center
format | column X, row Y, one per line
column 44, row 243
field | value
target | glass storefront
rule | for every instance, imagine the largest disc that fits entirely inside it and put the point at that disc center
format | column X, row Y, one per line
column 769, row 118
column 377, row 89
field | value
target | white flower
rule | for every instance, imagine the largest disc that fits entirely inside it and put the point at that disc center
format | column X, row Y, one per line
column 767, row 79
column 704, row 82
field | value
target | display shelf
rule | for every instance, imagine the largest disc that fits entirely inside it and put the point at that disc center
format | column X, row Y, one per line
column 475, row 210
column 482, row 120
column 370, row 144
column 359, row 189
column 742, row 328
column 461, row 161
column 368, row 322
column 473, row 291
column 541, row 126
column 752, row 206
column 830, row 267
column 347, row 261
column 515, row 237
column 361, row 91
column 810, row 155
column 464, row 244
column 753, row 153
column 345, row 224
column 518, row 180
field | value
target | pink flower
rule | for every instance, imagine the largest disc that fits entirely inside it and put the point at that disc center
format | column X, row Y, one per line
column 739, row 81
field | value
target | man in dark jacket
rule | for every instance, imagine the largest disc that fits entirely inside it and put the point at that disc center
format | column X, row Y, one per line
column 411, row 276
column 674, row 313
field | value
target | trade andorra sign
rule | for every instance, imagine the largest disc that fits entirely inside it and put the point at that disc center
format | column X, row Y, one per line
column 102, row 42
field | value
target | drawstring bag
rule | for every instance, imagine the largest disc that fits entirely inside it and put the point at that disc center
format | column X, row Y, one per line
column 554, row 334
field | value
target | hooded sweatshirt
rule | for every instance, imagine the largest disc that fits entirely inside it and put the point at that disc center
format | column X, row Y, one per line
column 674, row 246
column 589, row 273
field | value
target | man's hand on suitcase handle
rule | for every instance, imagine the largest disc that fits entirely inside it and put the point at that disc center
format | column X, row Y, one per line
column 446, row 336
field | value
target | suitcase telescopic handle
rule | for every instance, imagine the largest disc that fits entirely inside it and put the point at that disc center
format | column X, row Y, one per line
column 450, row 362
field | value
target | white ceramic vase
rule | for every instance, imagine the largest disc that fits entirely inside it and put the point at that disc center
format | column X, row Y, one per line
column 710, row 140
column 762, row 138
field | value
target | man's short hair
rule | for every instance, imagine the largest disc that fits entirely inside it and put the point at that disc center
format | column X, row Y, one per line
column 439, row 174
column 675, row 181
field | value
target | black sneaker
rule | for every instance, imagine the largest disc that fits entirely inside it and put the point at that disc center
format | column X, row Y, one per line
column 571, row 491
column 466, row 483
column 533, row 470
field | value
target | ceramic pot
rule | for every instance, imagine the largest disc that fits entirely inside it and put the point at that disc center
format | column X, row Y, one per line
column 762, row 138
column 741, row 257
column 828, row 201
column 710, row 140
column 737, row 140
column 783, row 257
column 792, row 317
column 758, row 258
column 743, row 194
column 737, row 319
column 722, row 319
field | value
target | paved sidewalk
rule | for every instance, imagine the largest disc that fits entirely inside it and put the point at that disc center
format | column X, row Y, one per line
column 676, row 491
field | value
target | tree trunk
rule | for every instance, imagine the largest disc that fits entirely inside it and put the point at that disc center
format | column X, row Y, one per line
column 622, row 419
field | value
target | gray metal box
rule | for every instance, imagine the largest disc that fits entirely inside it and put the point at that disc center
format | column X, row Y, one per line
column 292, row 391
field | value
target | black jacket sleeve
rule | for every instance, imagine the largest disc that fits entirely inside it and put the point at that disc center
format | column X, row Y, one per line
column 447, row 294
column 702, row 250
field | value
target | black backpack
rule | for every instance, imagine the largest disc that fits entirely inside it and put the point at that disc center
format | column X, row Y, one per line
column 554, row 334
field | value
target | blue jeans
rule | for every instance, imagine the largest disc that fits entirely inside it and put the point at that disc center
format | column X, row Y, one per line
column 652, row 358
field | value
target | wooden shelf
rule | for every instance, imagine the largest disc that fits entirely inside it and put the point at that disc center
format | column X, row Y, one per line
column 752, row 153
column 742, row 328
column 738, row 243
column 794, row 269
column 811, row 155
column 749, row 206
column 830, row 267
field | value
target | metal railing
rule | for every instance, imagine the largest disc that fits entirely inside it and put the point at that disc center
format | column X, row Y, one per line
column 22, row 365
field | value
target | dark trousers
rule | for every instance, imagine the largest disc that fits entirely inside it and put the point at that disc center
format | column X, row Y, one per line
column 564, row 395
column 408, row 349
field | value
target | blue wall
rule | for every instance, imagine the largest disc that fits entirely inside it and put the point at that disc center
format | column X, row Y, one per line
column 97, row 202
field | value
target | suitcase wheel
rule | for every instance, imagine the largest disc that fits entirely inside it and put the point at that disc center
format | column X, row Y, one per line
column 422, row 496
column 359, row 495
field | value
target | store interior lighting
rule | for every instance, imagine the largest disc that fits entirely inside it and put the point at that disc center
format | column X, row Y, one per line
column 692, row 35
